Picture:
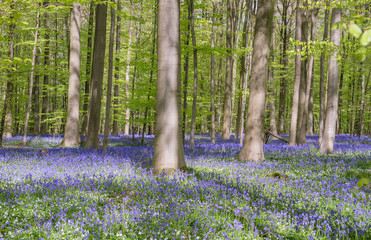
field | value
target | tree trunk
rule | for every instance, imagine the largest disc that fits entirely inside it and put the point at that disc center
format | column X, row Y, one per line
column 168, row 147
column 302, row 118
column 71, row 131
column 88, row 71
column 34, row 52
column 212, row 107
column 194, row 102
column 45, row 97
column 36, row 91
column 252, row 149
column 271, row 104
column 109, row 81
column 115, row 130
column 284, row 62
column 229, row 74
column 92, row 140
column 327, row 145
column 295, row 99
column 127, row 76
column 322, row 80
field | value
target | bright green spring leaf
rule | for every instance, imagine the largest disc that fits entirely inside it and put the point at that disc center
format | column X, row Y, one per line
column 355, row 30
column 363, row 182
column 366, row 38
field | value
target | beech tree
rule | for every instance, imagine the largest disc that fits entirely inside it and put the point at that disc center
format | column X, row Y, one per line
column 71, row 131
column 252, row 149
column 327, row 144
column 92, row 140
column 168, row 148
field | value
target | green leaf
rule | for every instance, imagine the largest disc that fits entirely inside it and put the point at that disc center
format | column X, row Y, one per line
column 355, row 30
column 366, row 38
column 363, row 182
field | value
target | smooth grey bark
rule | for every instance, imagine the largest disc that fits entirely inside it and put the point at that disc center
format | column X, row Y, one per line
column 34, row 52
column 252, row 149
column 127, row 76
column 295, row 98
column 45, row 94
column 185, row 81
column 115, row 130
column 168, row 147
column 322, row 80
column 327, row 145
column 92, row 137
column 212, row 81
column 226, row 134
column 195, row 78
column 88, row 70
column 109, row 81
column 71, row 131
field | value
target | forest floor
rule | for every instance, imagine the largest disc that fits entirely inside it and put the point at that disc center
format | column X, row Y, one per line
column 49, row 192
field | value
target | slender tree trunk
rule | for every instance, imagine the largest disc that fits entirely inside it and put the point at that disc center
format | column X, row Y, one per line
column 295, row 99
column 322, row 80
column 309, row 93
column 72, row 133
column 37, row 96
column 127, row 76
column 115, row 130
column 302, row 118
column 271, row 104
column 252, row 149
column 151, row 74
column 168, row 147
column 194, row 103
column 185, row 82
column 31, row 79
column 92, row 140
column 88, row 70
column 212, row 107
column 45, row 97
column 229, row 74
column 284, row 62
column 327, row 145
column 109, row 81
column 362, row 103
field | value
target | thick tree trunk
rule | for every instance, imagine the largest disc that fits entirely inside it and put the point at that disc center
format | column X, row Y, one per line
column 327, row 145
column 71, row 131
column 195, row 79
column 92, row 140
column 127, row 76
column 322, row 80
column 226, row 134
column 115, row 129
column 45, row 97
column 168, row 147
column 252, row 149
column 295, row 98
column 109, row 81
column 88, row 71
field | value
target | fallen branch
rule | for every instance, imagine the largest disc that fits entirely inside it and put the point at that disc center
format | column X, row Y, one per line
column 276, row 136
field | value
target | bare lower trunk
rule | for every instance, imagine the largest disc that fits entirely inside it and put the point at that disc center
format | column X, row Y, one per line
column 168, row 147
column 327, row 145
column 92, row 138
column 295, row 98
column 252, row 149
column 45, row 97
column 212, row 107
column 115, row 130
column 72, row 133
